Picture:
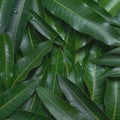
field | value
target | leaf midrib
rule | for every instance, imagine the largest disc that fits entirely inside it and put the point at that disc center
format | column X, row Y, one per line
column 57, row 106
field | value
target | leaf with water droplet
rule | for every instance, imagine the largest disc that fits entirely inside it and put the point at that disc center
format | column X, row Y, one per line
column 16, row 11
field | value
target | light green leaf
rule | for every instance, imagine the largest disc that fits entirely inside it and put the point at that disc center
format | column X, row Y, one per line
column 112, row 6
column 6, row 60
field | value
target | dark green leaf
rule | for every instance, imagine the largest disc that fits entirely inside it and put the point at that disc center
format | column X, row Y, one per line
column 112, row 99
column 18, row 21
column 80, row 101
column 95, row 26
column 6, row 60
column 11, row 99
column 93, row 76
column 5, row 10
column 60, row 109
column 27, row 63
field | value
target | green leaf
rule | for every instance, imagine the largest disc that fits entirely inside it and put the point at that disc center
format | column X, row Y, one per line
column 29, row 42
column 56, row 66
column 102, row 12
column 42, row 27
column 11, row 99
column 6, row 60
column 115, row 72
column 114, row 51
column 80, row 101
column 18, row 21
column 110, row 60
column 112, row 6
column 27, row 63
column 26, row 115
column 93, row 76
column 60, row 109
column 82, row 22
column 112, row 99
column 5, row 10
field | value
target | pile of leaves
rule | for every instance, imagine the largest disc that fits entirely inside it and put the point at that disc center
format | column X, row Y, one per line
column 59, row 60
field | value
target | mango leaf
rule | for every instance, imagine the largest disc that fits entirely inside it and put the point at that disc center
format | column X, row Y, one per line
column 82, row 22
column 112, row 6
column 5, row 10
column 6, row 60
column 60, row 109
column 11, row 99
column 27, row 63
column 26, row 115
column 18, row 21
column 110, row 60
column 102, row 12
column 29, row 42
column 41, row 26
column 115, row 72
column 114, row 51
column 80, row 101
column 112, row 99
column 93, row 76
column 56, row 66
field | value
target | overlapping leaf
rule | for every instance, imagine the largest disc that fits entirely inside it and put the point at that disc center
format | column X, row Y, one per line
column 60, row 109
column 80, row 101
column 27, row 63
column 18, row 21
column 11, row 99
column 95, row 26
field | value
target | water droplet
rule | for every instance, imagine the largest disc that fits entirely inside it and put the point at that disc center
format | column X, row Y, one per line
column 15, row 11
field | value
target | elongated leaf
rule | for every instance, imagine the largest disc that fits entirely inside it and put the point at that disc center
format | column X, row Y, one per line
column 101, row 11
column 18, row 21
column 56, row 66
column 112, row 99
column 80, row 101
column 114, row 51
column 6, row 60
column 42, row 27
column 60, row 109
column 115, row 72
column 110, row 60
column 93, row 76
column 13, row 98
column 81, row 21
column 29, row 42
column 24, row 65
column 26, row 115
column 5, row 10
column 112, row 6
